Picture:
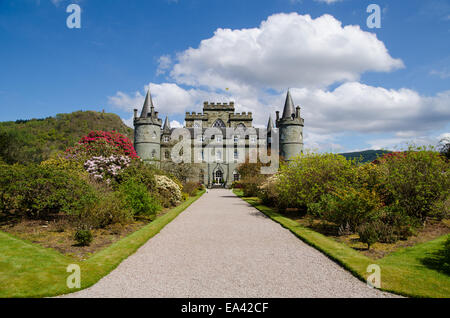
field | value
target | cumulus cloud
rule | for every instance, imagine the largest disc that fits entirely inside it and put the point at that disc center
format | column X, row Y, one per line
column 366, row 109
column 285, row 50
column 253, row 67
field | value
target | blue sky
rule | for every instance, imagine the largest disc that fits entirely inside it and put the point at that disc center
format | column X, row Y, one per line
column 356, row 91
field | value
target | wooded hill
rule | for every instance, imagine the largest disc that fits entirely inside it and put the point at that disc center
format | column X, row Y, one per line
column 366, row 155
column 26, row 141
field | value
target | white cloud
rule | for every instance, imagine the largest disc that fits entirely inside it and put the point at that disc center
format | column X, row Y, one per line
column 164, row 63
column 176, row 124
column 285, row 50
column 366, row 109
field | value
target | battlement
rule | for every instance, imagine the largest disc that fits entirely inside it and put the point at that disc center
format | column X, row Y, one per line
column 242, row 116
column 218, row 106
column 195, row 116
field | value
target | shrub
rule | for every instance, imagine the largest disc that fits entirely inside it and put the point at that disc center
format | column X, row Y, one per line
column 140, row 172
column 251, row 177
column 250, row 185
column 416, row 180
column 368, row 234
column 111, row 208
column 191, row 188
column 106, row 168
column 102, row 143
column 347, row 208
column 268, row 191
column 236, row 185
column 38, row 191
column 139, row 199
column 83, row 237
column 306, row 178
column 169, row 192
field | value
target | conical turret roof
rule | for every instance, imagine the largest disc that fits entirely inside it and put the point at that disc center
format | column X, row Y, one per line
column 289, row 108
column 166, row 127
column 270, row 124
column 148, row 105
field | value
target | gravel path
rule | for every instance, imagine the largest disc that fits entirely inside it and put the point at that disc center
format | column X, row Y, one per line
column 222, row 247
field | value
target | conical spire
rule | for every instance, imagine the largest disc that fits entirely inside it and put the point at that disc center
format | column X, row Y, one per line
column 270, row 124
column 166, row 127
column 148, row 105
column 289, row 109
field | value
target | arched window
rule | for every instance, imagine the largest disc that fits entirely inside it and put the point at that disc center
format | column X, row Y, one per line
column 153, row 154
column 167, row 154
column 219, row 123
column 241, row 125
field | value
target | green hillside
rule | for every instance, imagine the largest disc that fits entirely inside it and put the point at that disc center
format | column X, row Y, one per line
column 34, row 140
column 366, row 155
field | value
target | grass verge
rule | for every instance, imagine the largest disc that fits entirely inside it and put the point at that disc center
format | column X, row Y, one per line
column 402, row 272
column 29, row 270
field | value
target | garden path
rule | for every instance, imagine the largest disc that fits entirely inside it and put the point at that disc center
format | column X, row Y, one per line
column 222, row 247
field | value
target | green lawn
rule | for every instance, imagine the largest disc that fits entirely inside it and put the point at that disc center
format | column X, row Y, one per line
column 402, row 272
column 29, row 270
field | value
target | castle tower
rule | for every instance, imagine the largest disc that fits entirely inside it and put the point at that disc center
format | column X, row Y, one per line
column 147, row 132
column 291, row 129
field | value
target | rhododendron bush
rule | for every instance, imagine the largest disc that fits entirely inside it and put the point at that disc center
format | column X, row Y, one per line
column 169, row 191
column 102, row 143
column 106, row 168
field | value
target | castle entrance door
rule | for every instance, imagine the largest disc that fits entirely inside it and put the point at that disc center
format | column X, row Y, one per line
column 218, row 177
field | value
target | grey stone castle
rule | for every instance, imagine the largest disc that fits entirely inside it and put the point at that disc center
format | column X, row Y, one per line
column 152, row 138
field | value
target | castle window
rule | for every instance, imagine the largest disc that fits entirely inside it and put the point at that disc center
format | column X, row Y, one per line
column 166, row 138
column 241, row 125
column 252, row 139
column 236, row 138
column 236, row 176
column 153, row 154
column 201, row 138
column 236, row 154
column 167, row 154
column 219, row 123
column 219, row 138
column 154, row 135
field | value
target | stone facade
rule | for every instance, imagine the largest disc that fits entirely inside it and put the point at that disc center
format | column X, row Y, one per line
column 153, row 140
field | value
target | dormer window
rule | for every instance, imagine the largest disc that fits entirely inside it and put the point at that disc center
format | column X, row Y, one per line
column 166, row 138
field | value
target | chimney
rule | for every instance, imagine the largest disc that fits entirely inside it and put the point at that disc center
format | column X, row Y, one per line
column 297, row 112
column 135, row 113
column 278, row 115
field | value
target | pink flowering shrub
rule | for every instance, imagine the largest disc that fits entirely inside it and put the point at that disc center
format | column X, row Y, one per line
column 106, row 168
column 102, row 143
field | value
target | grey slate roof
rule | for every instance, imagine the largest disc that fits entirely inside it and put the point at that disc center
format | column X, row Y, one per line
column 148, row 105
column 289, row 108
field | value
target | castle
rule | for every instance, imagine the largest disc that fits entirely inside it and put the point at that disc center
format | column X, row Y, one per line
column 152, row 139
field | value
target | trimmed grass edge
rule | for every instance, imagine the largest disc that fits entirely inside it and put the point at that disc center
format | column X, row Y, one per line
column 30, row 270
column 397, row 280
